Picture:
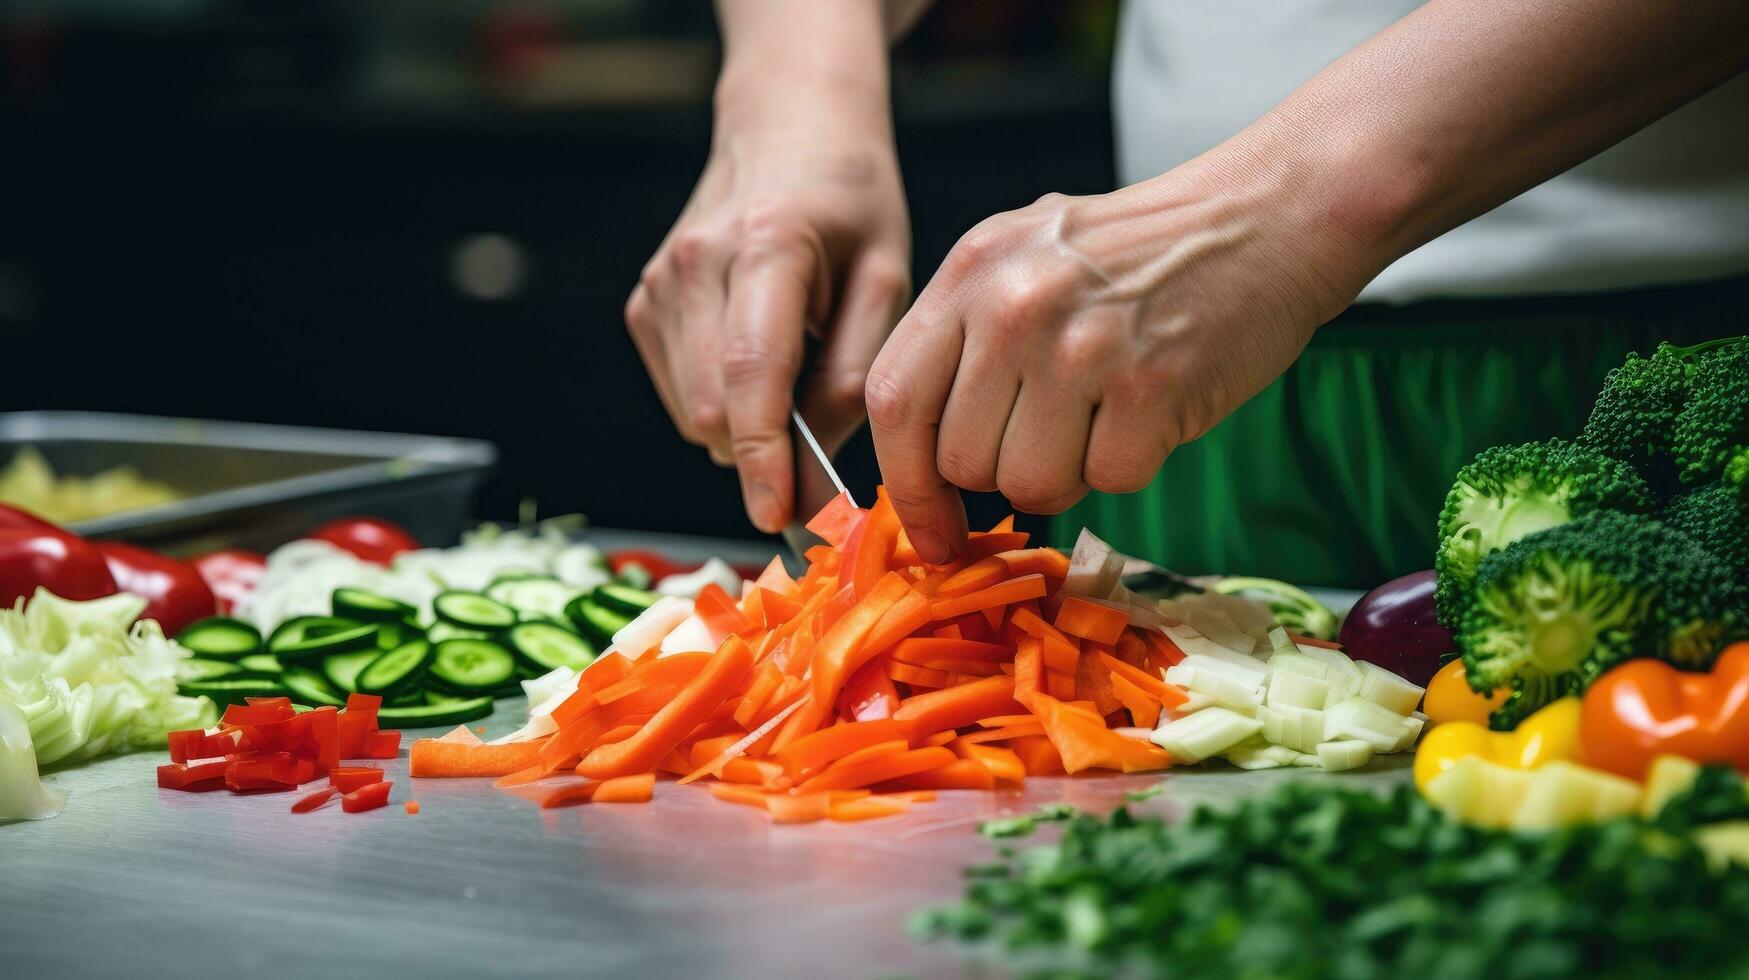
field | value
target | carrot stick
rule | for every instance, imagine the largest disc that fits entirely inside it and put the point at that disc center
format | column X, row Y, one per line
column 1031, row 727
column 692, row 705
column 869, row 694
column 1060, row 685
column 765, row 680
column 670, row 672
column 1048, row 562
column 1002, row 763
column 571, row 795
column 809, row 753
column 1313, row 641
column 907, row 616
column 521, row 777
column 435, row 758
column 956, row 707
column 1038, row 755
column 744, row 795
column 867, row 808
column 868, row 558
column 841, row 652
column 1144, row 709
column 1083, row 741
column 918, row 676
column 751, row 741
column 1163, row 647
column 1028, row 671
column 1155, row 687
column 927, row 649
column 980, row 574
column 965, row 668
column 1091, row 620
column 958, row 774
column 1093, row 678
column 849, row 774
column 1002, row 594
column 989, row 543
column 803, row 808
column 636, row 788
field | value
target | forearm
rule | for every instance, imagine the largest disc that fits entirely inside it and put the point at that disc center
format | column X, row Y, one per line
column 1465, row 104
column 803, row 57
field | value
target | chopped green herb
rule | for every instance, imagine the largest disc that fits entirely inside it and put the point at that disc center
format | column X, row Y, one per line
column 1007, row 827
column 1138, row 795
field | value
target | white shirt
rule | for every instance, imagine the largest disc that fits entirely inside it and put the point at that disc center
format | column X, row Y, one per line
column 1668, row 204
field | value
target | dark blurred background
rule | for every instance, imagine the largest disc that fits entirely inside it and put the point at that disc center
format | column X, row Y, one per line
column 425, row 215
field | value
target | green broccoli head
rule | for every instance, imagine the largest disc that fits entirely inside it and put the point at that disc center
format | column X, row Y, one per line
column 1508, row 492
column 1717, row 516
column 1635, row 413
column 1711, row 438
column 1553, row 611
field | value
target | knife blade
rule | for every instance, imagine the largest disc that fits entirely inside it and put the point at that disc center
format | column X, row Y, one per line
column 797, row 536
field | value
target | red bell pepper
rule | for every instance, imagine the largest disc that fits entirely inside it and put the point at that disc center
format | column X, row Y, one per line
column 199, row 778
column 348, row 778
column 272, row 771
column 1646, row 708
column 231, row 574
column 383, row 745
column 658, row 565
column 175, row 593
column 15, row 517
column 66, row 565
column 315, row 800
column 370, row 538
column 366, row 798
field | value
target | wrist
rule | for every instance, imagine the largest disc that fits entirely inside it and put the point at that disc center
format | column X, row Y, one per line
column 808, row 61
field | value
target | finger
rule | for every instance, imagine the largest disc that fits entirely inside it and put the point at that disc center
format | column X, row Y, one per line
column 695, row 361
column 1043, row 447
column 1124, row 449
column 972, row 425
column 875, row 292
column 641, row 325
column 768, row 302
column 907, row 390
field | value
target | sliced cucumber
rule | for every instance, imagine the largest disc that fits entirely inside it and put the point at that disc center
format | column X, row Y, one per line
column 392, row 634
column 624, row 599
column 194, row 670
column 532, row 597
column 472, row 666
column 545, row 646
column 220, row 638
column 322, row 639
column 434, row 715
column 342, row 669
column 368, row 607
column 390, row 672
column 471, row 610
column 441, row 631
column 260, row 665
column 406, row 699
column 311, row 688
column 232, row 690
column 595, row 621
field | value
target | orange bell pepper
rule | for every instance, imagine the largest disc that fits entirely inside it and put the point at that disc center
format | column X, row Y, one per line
column 1646, row 708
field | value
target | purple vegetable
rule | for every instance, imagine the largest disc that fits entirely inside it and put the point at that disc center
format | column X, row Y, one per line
column 1394, row 626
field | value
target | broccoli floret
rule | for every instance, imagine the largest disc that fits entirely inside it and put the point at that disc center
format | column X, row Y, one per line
column 1717, row 516
column 1510, row 491
column 1711, row 440
column 1635, row 413
column 1555, row 610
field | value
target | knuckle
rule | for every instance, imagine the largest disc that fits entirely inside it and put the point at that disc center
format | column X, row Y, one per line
column 1050, row 200
column 888, row 280
column 1039, row 493
column 637, row 313
column 979, row 244
column 705, row 418
column 1084, row 346
column 965, row 469
column 767, row 220
column 689, row 251
column 749, row 357
column 1017, row 307
column 888, row 400
column 1119, row 472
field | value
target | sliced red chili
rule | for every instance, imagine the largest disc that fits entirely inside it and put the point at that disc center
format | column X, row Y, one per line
column 314, row 800
column 366, row 798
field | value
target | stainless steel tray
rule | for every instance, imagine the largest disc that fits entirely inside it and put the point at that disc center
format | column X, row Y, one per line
column 256, row 486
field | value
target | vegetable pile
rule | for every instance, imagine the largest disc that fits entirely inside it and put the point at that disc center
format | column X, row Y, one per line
column 28, row 481
column 1314, row 882
column 874, row 680
column 268, row 745
column 1559, row 560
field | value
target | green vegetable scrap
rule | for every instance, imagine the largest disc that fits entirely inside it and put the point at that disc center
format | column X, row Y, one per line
column 1554, row 611
column 1509, row 492
column 1317, row 882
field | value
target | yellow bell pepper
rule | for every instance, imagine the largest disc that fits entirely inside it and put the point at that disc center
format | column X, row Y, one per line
column 1550, row 734
column 1561, row 793
column 1449, row 698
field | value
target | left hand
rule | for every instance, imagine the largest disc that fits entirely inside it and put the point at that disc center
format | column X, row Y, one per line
column 1071, row 345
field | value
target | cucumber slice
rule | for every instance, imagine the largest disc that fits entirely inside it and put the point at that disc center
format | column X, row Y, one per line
column 342, row 669
column 433, row 715
column 472, row 666
column 220, row 638
column 441, row 631
column 311, row 688
column 321, row 639
column 624, row 599
column 392, row 634
column 368, row 607
column 535, row 597
column 406, row 699
column 471, row 610
column 260, row 665
column 232, row 690
column 545, row 646
column 390, row 672
column 194, row 670
column 595, row 621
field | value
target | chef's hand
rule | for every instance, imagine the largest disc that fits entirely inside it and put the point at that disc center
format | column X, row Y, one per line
column 798, row 225
column 1071, row 345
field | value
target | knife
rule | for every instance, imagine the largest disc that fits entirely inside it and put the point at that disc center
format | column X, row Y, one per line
column 798, row 537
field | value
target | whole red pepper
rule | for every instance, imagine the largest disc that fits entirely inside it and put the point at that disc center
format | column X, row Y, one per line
column 231, row 574
column 68, row 566
column 15, row 517
column 370, row 538
column 1646, row 708
column 174, row 592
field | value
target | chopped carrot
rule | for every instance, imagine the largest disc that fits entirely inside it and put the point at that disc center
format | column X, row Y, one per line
column 800, row 808
column 925, row 650
column 1002, row 763
column 1004, row 721
column 412, row 806
column 765, row 680
column 992, row 543
column 809, row 753
column 1313, row 641
column 1001, row 594
column 1091, row 620
column 636, row 788
column 776, row 607
column 852, row 773
column 1028, row 670
column 869, row 807
column 745, row 795
column 1083, row 741
column 572, row 795
column 1163, row 647
column 907, row 616
column 1093, row 678
column 434, row 757
column 965, row 668
column 1048, row 562
column 664, row 672
column 956, row 707
column 677, row 718
column 940, row 738
column 958, row 774
column 978, row 575
column 835, row 521
column 1144, row 709
column 1032, row 726
column 916, row 676
column 1038, row 755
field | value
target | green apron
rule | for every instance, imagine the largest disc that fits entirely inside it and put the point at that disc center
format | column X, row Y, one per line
column 1335, row 474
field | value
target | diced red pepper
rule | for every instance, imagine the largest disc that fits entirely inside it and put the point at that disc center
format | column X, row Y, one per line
column 303, row 770
column 267, row 770
column 383, row 745
column 353, row 730
column 259, row 711
column 199, row 778
column 349, row 778
column 186, row 745
column 366, row 703
column 366, row 798
column 324, row 738
column 314, row 800
column 719, row 612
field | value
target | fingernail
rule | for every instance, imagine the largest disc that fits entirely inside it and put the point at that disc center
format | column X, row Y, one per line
column 763, row 508
column 931, row 547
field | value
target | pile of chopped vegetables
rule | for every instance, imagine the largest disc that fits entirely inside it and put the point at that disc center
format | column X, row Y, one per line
column 875, row 680
column 268, row 745
column 28, row 481
column 1315, row 882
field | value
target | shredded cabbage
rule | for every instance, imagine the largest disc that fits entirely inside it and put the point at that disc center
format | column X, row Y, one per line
column 301, row 576
column 88, row 680
column 22, row 794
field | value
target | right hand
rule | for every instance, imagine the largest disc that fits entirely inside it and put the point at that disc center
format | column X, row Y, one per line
column 798, row 225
